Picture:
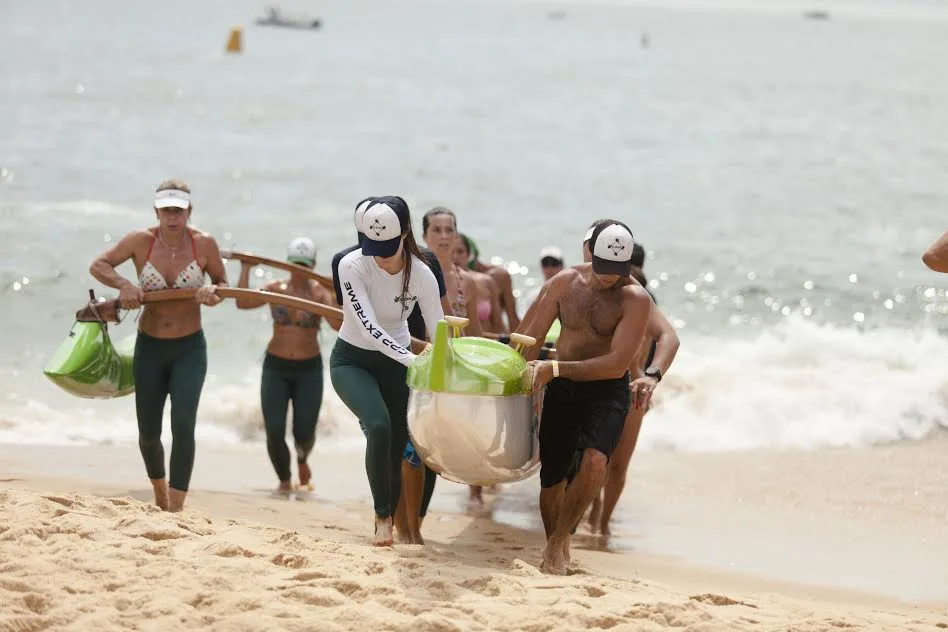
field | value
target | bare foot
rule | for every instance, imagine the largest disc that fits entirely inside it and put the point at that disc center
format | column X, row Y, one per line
column 604, row 534
column 594, row 515
column 402, row 535
column 305, row 476
column 383, row 532
column 161, row 493
column 553, row 562
column 566, row 555
column 417, row 539
column 176, row 498
column 285, row 487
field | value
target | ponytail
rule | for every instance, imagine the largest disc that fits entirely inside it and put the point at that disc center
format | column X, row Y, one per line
column 409, row 248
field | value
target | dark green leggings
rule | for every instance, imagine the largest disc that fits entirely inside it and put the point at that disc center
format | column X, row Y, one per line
column 373, row 387
column 283, row 381
column 166, row 367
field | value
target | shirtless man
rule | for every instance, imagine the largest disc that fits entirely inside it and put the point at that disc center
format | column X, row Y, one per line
column 653, row 360
column 604, row 317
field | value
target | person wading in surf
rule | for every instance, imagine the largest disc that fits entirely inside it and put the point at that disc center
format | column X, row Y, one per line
column 604, row 318
column 381, row 283
column 292, row 366
column 170, row 350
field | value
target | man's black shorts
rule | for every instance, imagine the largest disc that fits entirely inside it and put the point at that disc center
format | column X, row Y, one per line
column 576, row 416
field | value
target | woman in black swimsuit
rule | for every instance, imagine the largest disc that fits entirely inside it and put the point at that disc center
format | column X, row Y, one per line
column 292, row 367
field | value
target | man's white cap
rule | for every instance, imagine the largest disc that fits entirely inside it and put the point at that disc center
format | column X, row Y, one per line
column 302, row 251
column 611, row 248
column 551, row 252
column 172, row 198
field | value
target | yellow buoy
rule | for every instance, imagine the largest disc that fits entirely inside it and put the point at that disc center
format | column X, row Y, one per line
column 235, row 41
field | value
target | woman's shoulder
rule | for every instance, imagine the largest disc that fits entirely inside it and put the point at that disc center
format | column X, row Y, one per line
column 201, row 236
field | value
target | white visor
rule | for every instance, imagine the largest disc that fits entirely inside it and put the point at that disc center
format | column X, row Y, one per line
column 172, row 197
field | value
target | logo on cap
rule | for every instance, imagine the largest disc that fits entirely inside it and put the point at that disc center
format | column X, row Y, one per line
column 616, row 247
column 377, row 227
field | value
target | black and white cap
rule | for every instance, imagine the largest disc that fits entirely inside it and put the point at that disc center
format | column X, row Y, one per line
column 611, row 247
column 383, row 223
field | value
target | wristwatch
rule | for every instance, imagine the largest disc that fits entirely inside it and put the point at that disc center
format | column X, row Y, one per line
column 655, row 372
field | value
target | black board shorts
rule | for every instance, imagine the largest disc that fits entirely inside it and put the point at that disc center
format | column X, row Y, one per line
column 576, row 416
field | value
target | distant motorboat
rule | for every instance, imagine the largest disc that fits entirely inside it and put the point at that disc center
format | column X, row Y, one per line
column 817, row 14
column 275, row 19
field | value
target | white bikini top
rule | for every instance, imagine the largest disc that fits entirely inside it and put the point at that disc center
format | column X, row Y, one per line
column 191, row 277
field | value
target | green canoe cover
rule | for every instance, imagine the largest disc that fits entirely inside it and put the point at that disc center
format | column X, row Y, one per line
column 468, row 365
column 554, row 332
column 88, row 364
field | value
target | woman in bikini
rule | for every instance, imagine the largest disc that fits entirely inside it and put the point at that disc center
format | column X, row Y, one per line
column 170, row 351
column 292, row 366
column 487, row 294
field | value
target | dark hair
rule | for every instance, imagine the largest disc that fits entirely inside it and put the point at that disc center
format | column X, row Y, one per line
column 409, row 247
column 438, row 210
column 596, row 225
column 639, row 276
column 638, row 256
column 466, row 241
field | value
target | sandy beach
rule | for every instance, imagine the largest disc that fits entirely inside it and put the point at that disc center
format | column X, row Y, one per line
column 82, row 548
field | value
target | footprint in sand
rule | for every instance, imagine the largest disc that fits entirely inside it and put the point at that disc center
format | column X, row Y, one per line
column 289, row 560
column 719, row 600
column 310, row 575
column 62, row 500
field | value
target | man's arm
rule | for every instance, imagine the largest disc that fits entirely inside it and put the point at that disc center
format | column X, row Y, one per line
column 666, row 340
column 532, row 309
column 936, row 257
column 625, row 342
column 546, row 309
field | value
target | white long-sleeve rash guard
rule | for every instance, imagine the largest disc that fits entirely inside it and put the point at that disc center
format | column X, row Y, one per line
column 373, row 314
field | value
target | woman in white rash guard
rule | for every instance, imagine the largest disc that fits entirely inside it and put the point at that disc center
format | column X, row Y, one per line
column 381, row 283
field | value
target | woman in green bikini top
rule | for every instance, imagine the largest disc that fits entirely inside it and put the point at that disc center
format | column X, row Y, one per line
column 292, row 366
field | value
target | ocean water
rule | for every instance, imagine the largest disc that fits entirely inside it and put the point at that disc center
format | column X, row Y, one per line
column 784, row 175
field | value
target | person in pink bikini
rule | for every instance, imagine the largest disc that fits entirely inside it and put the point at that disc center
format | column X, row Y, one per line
column 170, row 351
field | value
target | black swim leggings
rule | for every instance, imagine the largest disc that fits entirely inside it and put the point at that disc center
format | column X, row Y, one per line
column 284, row 381
column 175, row 368
column 373, row 387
